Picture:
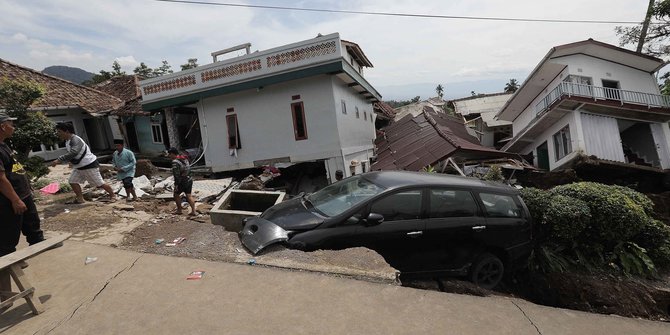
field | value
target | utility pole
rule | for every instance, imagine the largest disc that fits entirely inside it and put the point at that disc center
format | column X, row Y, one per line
column 645, row 26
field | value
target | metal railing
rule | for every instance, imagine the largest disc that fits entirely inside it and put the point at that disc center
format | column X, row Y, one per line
column 600, row 93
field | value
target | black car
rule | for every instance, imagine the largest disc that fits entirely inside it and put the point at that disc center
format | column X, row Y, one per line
column 421, row 223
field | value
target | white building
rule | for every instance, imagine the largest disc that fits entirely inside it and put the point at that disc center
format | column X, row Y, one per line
column 480, row 113
column 306, row 101
column 595, row 99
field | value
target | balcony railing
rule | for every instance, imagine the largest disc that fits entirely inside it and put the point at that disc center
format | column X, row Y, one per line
column 601, row 93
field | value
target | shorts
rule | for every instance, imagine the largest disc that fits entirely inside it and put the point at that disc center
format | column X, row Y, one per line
column 184, row 186
column 92, row 176
column 127, row 182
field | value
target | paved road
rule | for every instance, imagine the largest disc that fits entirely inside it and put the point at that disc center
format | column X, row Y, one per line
column 132, row 293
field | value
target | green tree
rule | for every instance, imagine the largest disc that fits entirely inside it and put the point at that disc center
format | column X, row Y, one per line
column 511, row 86
column 105, row 75
column 32, row 128
column 439, row 90
column 162, row 70
column 143, row 71
column 116, row 69
column 655, row 41
column 192, row 63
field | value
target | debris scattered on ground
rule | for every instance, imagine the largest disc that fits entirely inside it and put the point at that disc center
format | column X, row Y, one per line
column 175, row 242
column 90, row 260
column 195, row 275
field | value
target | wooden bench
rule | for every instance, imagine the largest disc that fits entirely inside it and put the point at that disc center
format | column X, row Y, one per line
column 13, row 264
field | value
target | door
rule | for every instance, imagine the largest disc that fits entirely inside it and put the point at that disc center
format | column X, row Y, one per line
column 507, row 223
column 452, row 221
column 661, row 142
column 400, row 233
column 611, row 88
column 543, row 156
column 132, row 137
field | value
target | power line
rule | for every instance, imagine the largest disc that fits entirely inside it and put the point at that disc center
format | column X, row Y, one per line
column 433, row 16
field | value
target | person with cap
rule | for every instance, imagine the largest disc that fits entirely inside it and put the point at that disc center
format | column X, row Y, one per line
column 85, row 166
column 124, row 163
column 17, row 207
column 183, row 183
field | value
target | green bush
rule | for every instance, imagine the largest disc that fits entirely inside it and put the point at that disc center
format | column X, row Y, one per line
column 35, row 167
column 615, row 217
column 633, row 260
column 567, row 217
column 655, row 238
column 64, row 188
column 537, row 201
column 39, row 183
column 494, row 174
column 637, row 197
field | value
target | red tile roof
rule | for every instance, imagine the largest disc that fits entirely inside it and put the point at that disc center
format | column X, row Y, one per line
column 384, row 109
column 414, row 142
column 61, row 93
column 126, row 88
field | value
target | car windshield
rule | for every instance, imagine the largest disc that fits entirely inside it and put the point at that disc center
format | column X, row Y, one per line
column 336, row 198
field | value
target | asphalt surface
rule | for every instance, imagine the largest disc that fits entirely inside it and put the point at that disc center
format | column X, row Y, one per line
column 125, row 292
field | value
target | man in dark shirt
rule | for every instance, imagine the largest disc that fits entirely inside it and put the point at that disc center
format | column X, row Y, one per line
column 17, row 208
column 183, row 183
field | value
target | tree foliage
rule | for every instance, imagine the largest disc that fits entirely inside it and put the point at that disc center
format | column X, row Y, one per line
column 103, row 75
column 32, row 128
column 191, row 63
column 400, row 103
column 657, row 40
column 439, row 90
column 511, row 86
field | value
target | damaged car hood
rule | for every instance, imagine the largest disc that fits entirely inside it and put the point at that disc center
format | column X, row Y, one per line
column 274, row 225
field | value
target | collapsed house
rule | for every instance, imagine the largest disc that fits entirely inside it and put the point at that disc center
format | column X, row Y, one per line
column 591, row 99
column 429, row 139
column 303, row 102
column 480, row 113
column 87, row 109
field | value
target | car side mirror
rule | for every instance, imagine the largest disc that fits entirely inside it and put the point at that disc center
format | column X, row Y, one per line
column 373, row 219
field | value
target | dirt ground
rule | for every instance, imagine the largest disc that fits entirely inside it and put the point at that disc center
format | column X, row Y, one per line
column 148, row 226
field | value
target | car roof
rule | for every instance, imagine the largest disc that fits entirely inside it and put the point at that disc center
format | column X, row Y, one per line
column 396, row 179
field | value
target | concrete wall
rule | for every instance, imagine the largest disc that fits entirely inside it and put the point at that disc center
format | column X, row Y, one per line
column 144, row 135
column 576, row 139
column 266, row 124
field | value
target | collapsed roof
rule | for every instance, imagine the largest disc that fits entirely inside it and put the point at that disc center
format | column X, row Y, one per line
column 428, row 138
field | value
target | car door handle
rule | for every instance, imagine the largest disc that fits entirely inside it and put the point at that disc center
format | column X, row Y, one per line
column 415, row 233
column 478, row 228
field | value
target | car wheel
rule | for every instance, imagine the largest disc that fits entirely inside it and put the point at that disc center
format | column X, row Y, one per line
column 487, row 271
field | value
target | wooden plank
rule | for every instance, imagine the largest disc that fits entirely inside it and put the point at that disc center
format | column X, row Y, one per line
column 21, row 281
column 16, row 296
column 30, row 251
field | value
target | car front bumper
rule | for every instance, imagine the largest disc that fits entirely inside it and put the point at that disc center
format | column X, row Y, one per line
column 259, row 233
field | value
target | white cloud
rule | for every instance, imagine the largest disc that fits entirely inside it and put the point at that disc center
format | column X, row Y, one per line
column 128, row 63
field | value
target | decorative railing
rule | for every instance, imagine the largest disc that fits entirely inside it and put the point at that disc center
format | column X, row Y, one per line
column 600, row 93
column 258, row 64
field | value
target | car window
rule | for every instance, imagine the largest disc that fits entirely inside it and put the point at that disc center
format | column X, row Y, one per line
column 451, row 203
column 338, row 197
column 399, row 206
column 500, row 205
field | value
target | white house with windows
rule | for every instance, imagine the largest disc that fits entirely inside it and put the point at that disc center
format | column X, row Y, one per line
column 303, row 102
column 595, row 99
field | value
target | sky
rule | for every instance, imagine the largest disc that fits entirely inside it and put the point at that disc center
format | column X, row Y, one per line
column 411, row 55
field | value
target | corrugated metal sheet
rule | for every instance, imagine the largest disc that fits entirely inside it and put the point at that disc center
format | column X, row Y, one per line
column 602, row 137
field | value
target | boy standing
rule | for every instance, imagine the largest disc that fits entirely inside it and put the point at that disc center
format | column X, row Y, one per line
column 124, row 163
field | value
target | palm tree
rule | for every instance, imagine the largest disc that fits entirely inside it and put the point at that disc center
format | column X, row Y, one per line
column 440, row 91
column 511, row 86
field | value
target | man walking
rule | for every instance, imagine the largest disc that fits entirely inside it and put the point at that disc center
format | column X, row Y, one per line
column 124, row 163
column 84, row 163
column 183, row 183
column 17, row 208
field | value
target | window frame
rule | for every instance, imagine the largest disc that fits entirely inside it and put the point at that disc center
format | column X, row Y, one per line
column 237, row 144
column 562, row 143
column 344, row 107
column 358, row 113
column 155, row 126
column 429, row 212
column 294, row 115
column 514, row 199
column 422, row 203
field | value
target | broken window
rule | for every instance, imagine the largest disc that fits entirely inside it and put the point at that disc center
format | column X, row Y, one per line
column 156, row 133
column 299, row 125
column 233, row 132
column 562, row 143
